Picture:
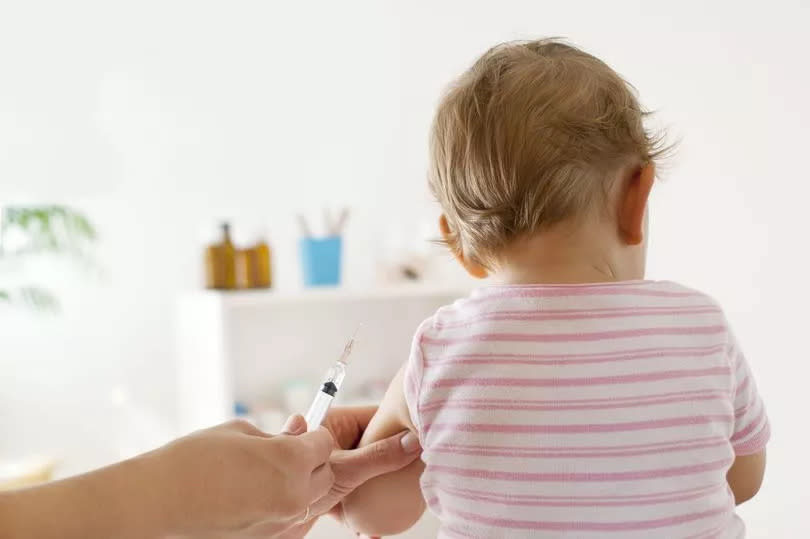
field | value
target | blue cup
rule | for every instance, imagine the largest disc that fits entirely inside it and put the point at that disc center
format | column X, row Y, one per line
column 320, row 260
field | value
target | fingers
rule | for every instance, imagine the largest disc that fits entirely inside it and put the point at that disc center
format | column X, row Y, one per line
column 320, row 482
column 359, row 415
column 410, row 443
column 384, row 456
column 347, row 424
column 315, row 446
column 295, row 424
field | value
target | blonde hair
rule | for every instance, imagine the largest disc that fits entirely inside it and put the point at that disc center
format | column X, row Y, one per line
column 529, row 136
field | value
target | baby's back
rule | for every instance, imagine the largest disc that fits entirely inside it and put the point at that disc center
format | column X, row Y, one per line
column 582, row 411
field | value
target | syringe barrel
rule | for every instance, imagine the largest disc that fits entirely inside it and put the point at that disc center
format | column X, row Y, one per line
column 323, row 399
column 317, row 410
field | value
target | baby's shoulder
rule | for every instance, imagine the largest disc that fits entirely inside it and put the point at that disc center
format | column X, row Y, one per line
column 449, row 316
column 704, row 304
column 688, row 292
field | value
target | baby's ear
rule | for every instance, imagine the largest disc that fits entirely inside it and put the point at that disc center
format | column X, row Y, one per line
column 452, row 241
column 633, row 204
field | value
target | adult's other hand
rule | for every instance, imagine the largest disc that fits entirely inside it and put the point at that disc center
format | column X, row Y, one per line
column 353, row 467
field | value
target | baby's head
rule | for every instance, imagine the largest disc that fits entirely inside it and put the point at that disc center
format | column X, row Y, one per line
column 539, row 139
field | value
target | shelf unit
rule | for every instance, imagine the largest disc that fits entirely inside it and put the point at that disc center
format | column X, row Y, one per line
column 252, row 345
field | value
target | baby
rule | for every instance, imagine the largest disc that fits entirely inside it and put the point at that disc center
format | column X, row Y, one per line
column 573, row 398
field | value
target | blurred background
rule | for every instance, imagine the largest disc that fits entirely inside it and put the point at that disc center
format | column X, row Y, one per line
column 130, row 132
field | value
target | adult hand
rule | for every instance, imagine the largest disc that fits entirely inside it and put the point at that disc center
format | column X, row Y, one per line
column 353, row 467
column 218, row 482
column 234, row 478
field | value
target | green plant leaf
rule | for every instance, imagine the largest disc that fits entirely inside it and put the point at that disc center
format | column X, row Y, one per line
column 48, row 229
column 39, row 299
column 33, row 297
column 45, row 229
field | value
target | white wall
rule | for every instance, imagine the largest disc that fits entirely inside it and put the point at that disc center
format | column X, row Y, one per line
column 159, row 116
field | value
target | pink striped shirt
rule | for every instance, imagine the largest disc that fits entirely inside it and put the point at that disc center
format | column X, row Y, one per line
column 582, row 411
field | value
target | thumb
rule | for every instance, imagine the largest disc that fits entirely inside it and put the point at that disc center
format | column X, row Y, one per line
column 295, row 424
column 384, row 456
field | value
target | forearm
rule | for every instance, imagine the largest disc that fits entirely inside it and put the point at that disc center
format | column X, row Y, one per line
column 109, row 502
column 745, row 476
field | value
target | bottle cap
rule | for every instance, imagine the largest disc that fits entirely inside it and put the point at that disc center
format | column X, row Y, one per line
column 210, row 233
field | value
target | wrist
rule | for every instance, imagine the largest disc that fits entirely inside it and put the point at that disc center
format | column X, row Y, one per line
column 151, row 506
column 120, row 500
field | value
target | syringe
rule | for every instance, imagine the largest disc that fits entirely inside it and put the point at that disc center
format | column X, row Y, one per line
column 331, row 384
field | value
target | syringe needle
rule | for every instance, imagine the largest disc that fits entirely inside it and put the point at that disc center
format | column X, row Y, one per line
column 347, row 350
column 334, row 379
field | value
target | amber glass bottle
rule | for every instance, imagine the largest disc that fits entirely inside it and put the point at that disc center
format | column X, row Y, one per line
column 220, row 262
column 245, row 263
column 262, row 267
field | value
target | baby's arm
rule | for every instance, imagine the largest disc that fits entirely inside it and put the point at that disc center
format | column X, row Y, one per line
column 751, row 431
column 745, row 476
column 391, row 503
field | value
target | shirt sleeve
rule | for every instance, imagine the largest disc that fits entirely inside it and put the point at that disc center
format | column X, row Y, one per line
column 414, row 370
column 751, row 426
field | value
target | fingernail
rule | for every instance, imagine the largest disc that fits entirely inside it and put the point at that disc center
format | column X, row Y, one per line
column 410, row 443
column 295, row 424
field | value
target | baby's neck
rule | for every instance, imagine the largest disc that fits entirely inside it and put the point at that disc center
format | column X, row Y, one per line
column 565, row 256
column 563, row 274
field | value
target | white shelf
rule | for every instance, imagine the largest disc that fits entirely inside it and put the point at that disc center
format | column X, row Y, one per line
column 264, row 298
column 251, row 346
